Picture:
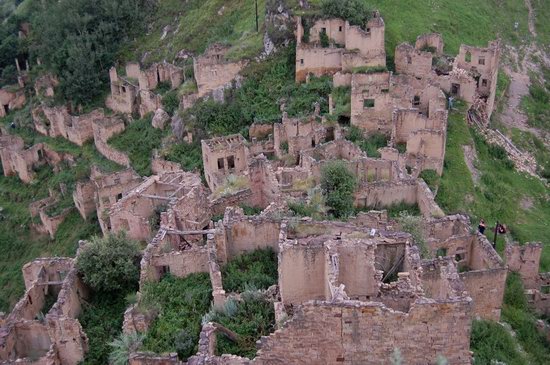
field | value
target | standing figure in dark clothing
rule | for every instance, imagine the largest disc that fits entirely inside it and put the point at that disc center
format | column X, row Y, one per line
column 481, row 226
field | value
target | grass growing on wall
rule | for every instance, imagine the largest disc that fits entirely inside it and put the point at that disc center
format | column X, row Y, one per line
column 256, row 269
column 181, row 303
column 502, row 194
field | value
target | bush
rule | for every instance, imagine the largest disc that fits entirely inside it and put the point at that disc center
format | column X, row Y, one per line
column 338, row 185
column 250, row 319
column 123, row 346
column 325, row 41
column 413, row 225
column 110, row 263
column 354, row 11
column 256, row 269
column 431, row 178
column 181, row 303
column 369, row 144
column 170, row 102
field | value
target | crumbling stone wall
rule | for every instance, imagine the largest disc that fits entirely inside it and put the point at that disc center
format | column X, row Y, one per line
column 214, row 72
column 45, row 85
column 16, row 160
column 371, row 102
column 412, row 61
column 103, row 130
column 361, row 47
column 223, row 156
column 124, row 91
column 384, row 194
column 11, row 99
column 368, row 333
column 430, row 40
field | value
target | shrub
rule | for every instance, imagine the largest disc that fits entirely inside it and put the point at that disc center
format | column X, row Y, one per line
column 181, row 303
column 123, row 346
column 369, row 69
column 170, row 102
column 490, row 341
column 257, row 269
column 250, row 319
column 325, row 41
column 431, row 178
column 413, row 225
column 109, row 263
column 354, row 11
column 338, row 185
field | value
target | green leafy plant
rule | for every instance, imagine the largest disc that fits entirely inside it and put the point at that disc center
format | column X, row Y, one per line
column 109, row 263
column 123, row 346
column 257, row 268
column 354, row 11
column 338, row 185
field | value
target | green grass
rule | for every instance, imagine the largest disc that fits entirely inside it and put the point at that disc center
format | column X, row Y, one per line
column 257, row 269
column 181, row 303
column 138, row 141
column 250, row 319
column 469, row 22
column 535, row 104
column 501, row 191
column 516, row 312
column 188, row 155
column 529, row 142
column 101, row 320
column 199, row 25
column 542, row 11
column 491, row 341
column 369, row 144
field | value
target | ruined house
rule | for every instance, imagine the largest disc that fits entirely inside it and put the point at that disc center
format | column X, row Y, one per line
column 102, row 191
column 104, row 129
column 16, row 160
column 11, row 98
column 46, row 211
column 35, row 333
column 224, row 156
column 525, row 260
column 57, row 122
column 214, row 71
column 139, row 211
column 45, row 86
column 349, row 46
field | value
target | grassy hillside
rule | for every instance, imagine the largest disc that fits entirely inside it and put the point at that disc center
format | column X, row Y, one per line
column 194, row 24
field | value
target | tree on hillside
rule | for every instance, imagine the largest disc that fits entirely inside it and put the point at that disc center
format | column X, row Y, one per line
column 338, row 185
column 354, row 11
column 109, row 263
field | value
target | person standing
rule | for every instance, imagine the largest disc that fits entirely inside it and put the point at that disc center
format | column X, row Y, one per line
column 481, row 227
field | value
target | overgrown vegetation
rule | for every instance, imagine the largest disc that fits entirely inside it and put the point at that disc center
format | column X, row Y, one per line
column 188, row 155
column 139, row 140
column 502, row 194
column 256, row 269
column 431, row 178
column 517, row 313
column 110, row 263
column 536, row 103
column 529, row 142
column 178, row 324
column 491, row 341
column 413, row 224
column 78, row 40
column 338, row 185
column 369, row 144
column 354, row 11
column 250, row 319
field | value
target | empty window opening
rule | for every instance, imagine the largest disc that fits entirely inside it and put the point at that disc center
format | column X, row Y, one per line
column 323, row 30
column 481, row 61
column 302, row 61
column 484, row 82
column 118, row 196
column 164, row 270
column 124, row 89
column 441, row 252
column 545, row 289
column 231, row 162
column 468, row 57
column 385, row 91
column 6, row 108
column 40, row 154
column 459, row 257
column 340, row 28
column 158, row 76
column 330, row 134
column 409, row 60
column 312, row 143
column 368, row 103
column 221, row 165
column 416, row 100
column 368, row 31
column 455, row 89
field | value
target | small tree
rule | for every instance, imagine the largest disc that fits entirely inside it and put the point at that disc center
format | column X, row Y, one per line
column 325, row 41
column 109, row 263
column 338, row 185
column 354, row 11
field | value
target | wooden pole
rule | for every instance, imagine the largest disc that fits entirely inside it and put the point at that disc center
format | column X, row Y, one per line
column 257, row 25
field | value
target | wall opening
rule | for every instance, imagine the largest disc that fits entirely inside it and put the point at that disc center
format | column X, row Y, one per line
column 468, row 57
column 368, row 103
column 455, row 89
column 221, row 164
column 231, row 162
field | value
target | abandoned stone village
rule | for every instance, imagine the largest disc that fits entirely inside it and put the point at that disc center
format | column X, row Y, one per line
column 348, row 292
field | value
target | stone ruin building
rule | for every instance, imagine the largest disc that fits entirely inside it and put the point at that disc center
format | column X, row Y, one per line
column 525, row 260
column 34, row 333
column 133, row 91
column 214, row 71
column 338, row 281
column 101, row 192
column 11, row 98
column 350, row 46
column 50, row 217
column 21, row 161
